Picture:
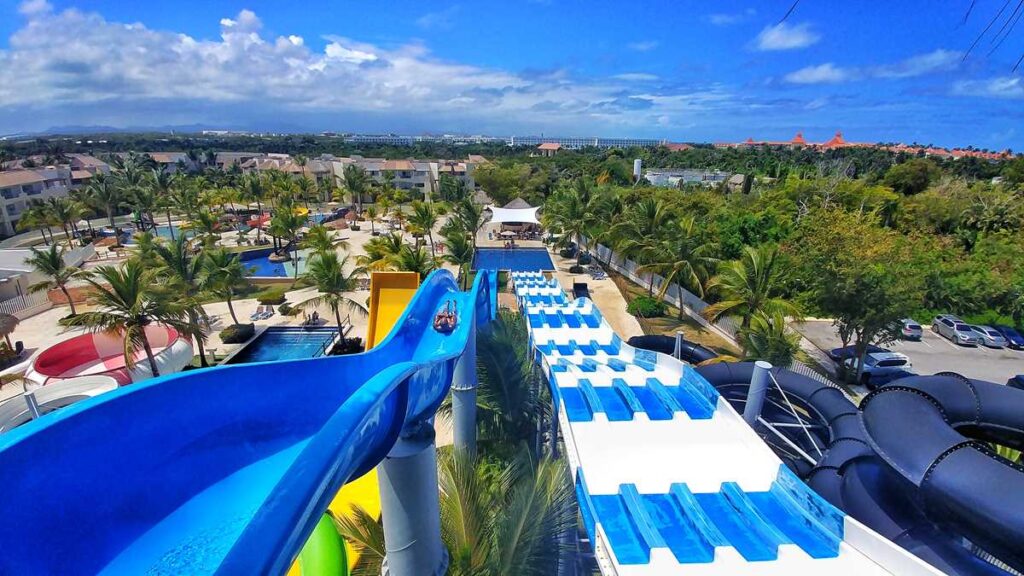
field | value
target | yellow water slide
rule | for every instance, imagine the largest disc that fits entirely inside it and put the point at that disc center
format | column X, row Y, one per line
column 390, row 293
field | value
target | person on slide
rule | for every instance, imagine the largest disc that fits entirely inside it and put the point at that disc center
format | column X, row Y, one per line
column 446, row 319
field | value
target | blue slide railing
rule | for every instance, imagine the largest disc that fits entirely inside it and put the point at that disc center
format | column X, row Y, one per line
column 224, row 470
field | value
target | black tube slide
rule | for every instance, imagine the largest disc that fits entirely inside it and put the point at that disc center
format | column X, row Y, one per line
column 691, row 352
column 851, row 476
column 930, row 430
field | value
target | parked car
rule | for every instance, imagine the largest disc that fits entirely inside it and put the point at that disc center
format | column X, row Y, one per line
column 1016, row 382
column 841, row 354
column 1013, row 338
column 910, row 330
column 955, row 330
column 880, row 367
column 989, row 336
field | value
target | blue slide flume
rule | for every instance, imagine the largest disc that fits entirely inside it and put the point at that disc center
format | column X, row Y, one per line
column 224, row 470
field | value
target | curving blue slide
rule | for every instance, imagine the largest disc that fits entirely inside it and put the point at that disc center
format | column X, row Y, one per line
column 225, row 470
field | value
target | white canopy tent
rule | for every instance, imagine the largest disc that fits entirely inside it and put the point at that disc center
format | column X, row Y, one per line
column 514, row 215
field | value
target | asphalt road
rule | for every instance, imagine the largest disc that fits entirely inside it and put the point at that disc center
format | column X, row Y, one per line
column 934, row 354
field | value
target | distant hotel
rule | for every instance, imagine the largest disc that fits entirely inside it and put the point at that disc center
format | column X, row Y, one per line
column 838, row 142
column 573, row 143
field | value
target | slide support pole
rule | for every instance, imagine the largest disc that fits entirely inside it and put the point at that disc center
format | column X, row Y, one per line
column 464, row 397
column 410, row 508
column 755, row 395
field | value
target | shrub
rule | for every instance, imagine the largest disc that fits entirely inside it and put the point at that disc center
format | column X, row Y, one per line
column 567, row 252
column 354, row 227
column 237, row 333
column 574, row 269
column 285, row 309
column 585, row 258
column 646, row 307
column 272, row 296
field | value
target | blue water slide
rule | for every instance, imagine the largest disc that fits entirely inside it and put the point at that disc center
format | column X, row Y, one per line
column 225, row 470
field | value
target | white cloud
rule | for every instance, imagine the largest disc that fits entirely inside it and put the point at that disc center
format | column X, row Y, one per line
column 129, row 75
column 1006, row 87
column 636, row 77
column 784, row 36
column 643, row 46
column 728, row 19
column 442, row 20
column 32, row 7
column 822, row 74
column 937, row 61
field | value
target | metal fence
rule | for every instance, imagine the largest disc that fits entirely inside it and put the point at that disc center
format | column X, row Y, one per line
column 682, row 298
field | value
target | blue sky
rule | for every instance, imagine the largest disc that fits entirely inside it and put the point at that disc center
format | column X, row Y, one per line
column 680, row 70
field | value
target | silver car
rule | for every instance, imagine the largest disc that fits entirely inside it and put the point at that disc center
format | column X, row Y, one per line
column 989, row 336
column 910, row 329
column 956, row 330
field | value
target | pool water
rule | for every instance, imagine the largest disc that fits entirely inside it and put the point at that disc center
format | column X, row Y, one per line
column 285, row 343
column 258, row 264
column 515, row 260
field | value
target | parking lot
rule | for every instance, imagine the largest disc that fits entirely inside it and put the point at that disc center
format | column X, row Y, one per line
column 934, row 353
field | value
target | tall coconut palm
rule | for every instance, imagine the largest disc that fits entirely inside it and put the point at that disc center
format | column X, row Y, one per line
column 253, row 190
column 636, row 234
column 459, row 253
column 50, row 263
column 749, row 286
column 223, row 276
column 163, row 185
column 682, row 257
column 184, row 269
column 568, row 213
column 371, row 214
column 328, row 273
column 144, row 200
column 409, row 259
column 493, row 521
column 356, row 182
column 105, row 195
column 126, row 300
column 36, row 216
column 424, row 217
column 64, row 211
column 287, row 224
column 470, row 217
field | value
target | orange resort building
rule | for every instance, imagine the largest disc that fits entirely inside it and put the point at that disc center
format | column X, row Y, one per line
column 837, row 141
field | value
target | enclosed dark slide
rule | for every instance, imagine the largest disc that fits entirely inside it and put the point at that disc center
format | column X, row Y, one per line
column 913, row 464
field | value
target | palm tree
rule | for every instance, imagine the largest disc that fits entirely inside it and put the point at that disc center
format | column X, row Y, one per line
column 206, row 224
column 126, row 301
column 163, row 185
column 568, row 213
column 66, row 212
column 50, row 263
column 105, row 195
column 469, row 217
column 768, row 339
column 36, row 216
column 493, row 521
column 179, row 264
column 287, row 223
column 223, row 276
column 327, row 272
column 144, row 200
column 371, row 213
column 320, row 238
column 749, row 286
column 411, row 259
column 459, row 253
column 424, row 217
column 380, row 250
column 253, row 190
column 636, row 235
column 356, row 182
column 683, row 258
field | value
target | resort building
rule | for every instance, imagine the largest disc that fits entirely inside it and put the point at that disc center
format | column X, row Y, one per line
column 678, row 178
column 549, row 148
column 315, row 169
column 19, row 187
column 576, row 143
column 838, row 142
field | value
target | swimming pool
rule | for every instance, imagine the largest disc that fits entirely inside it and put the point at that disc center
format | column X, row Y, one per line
column 515, row 260
column 285, row 343
column 258, row 264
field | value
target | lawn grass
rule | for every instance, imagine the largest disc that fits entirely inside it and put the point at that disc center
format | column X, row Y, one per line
column 670, row 323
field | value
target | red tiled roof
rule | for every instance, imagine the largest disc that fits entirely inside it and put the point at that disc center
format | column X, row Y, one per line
column 550, row 146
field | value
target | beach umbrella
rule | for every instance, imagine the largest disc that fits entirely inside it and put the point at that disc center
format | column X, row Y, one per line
column 7, row 325
column 508, row 233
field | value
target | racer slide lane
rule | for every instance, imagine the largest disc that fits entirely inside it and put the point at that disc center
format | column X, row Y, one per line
column 226, row 470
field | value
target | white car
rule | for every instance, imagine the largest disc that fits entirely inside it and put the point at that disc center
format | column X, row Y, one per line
column 879, row 365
